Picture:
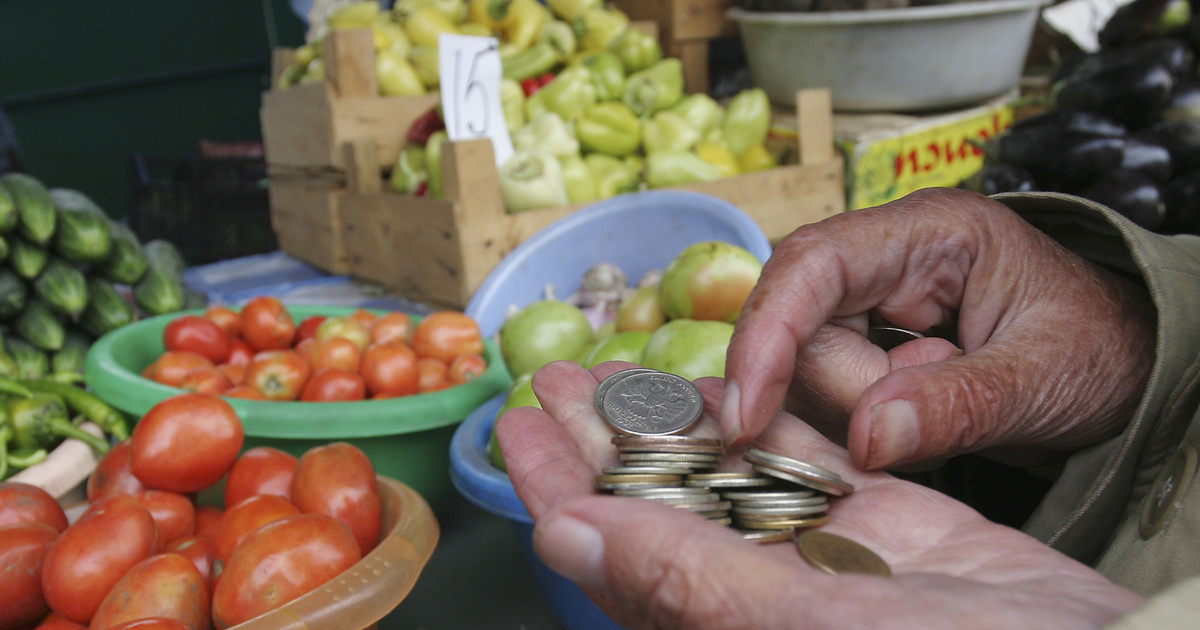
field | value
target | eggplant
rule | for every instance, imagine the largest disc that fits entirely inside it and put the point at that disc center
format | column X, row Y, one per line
column 1181, row 202
column 1057, row 158
column 1184, row 103
column 1152, row 160
column 1134, row 94
column 1131, row 193
column 1074, row 120
column 1137, row 20
column 1000, row 178
column 1181, row 138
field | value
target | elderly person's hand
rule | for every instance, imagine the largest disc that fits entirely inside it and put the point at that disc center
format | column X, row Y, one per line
column 1050, row 352
column 650, row 565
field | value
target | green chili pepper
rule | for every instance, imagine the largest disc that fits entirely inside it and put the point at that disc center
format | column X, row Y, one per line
column 566, row 95
column 747, row 120
column 656, row 88
column 433, row 163
column 546, row 133
column 701, row 111
column 531, row 180
column 409, row 172
column 581, row 186
column 612, row 175
column 42, row 420
column 636, row 49
column 668, row 130
column 608, row 75
column 610, row 128
column 91, row 406
column 672, row 167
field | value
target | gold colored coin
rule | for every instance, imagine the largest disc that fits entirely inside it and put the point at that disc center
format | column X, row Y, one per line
column 838, row 554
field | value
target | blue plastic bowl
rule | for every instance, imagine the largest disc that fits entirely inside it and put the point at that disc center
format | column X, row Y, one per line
column 639, row 232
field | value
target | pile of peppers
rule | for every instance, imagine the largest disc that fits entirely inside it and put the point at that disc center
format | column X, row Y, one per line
column 36, row 415
column 594, row 110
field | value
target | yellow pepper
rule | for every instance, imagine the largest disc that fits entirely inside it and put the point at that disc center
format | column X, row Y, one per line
column 425, row 62
column 452, row 9
column 519, row 22
column 473, row 29
column 425, row 24
column 352, row 14
column 391, row 36
column 598, row 27
column 756, row 157
column 478, row 13
column 719, row 156
column 396, row 75
column 570, row 10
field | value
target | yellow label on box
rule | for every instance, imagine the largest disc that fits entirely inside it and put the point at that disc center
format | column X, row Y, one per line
column 939, row 154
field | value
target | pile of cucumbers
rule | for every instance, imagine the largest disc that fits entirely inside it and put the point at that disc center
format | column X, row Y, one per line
column 69, row 274
column 1123, row 126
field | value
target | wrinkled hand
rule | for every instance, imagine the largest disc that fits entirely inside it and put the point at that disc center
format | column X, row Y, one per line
column 1052, row 352
column 653, row 566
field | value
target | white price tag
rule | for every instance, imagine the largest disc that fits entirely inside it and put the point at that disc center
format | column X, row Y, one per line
column 1081, row 20
column 470, row 74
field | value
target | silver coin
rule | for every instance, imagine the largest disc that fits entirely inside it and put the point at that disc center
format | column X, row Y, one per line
column 794, row 511
column 699, row 458
column 673, row 448
column 651, row 403
column 598, row 397
column 782, row 503
column 888, row 337
column 727, row 480
column 767, row 495
column 646, row 493
column 768, row 536
column 629, row 485
column 646, row 470
column 794, row 523
column 799, row 472
column 721, row 520
column 699, row 499
column 807, row 482
column 629, row 477
column 680, row 440
column 710, row 506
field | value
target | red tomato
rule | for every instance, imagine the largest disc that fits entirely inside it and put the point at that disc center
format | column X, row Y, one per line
column 235, row 373
column 198, row 334
column 278, row 563
column 207, row 379
column 185, row 443
column 174, row 514
column 260, row 470
column 305, row 347
column 466, row 367
column 198, row 548
column 334, row 385
column 226, row 319
column 432, row 374
column 447, row 334
column 240, row 352
column 172, row 365
column 344, row 326
column 112, row 473
column 335, row 352
column 245, row 392
column 338, row 480
column 55, row 621
column 23, row 550
column 88, row 558
column 207, row 519
column 153, row 623
column 308, row 327
column 278, row 374
column 166, row 586
column 243, row 518
column 390, row 369
column 393, row 326
column 266, row 324
column 364, row 316
column 27, row 503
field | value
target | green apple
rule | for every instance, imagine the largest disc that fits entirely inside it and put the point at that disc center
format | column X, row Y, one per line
column 544, row 331
column 623, row 346
column 520, row 394
column 709, row 280
column 689, row 348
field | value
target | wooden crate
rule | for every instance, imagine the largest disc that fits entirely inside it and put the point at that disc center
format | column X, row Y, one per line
column 439, row 251
column 307, row 218
column 305, row 126
column 685, row 28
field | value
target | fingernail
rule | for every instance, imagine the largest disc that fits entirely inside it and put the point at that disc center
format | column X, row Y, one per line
column 895, row 432
column 572, row 548
column 731, row 420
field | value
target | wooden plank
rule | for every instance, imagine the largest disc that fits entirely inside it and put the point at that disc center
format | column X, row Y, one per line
column 701, row 19
column 296, row 127
column 694, row 55
column 362, row 166
column 814, row 122
column 307, row 220
column 349, row 55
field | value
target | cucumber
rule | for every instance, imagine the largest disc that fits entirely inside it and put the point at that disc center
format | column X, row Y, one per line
column 38, row 326
column 8, row 210
column 161, row 288
column 32, row 363
column 70, row 357
column 14, row 293
column 26, row 258
column 35, row 211
column 82, row 234
column 107, row 309
column 126, row 262
column 62, row 287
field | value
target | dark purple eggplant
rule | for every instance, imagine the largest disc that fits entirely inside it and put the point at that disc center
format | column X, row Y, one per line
column 1057, row 158
column 1184, row 103
column 1181, row 138
column 1152, row 160
column 1181, row 201
column 1134, row 94
column 1137, row 20
column 1074, row 120
column 1000, row 178
column 1130, row 193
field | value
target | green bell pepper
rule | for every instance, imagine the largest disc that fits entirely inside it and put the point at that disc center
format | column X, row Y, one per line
column 433, row 163
column 701, row 110
column 567, row 95
column 512, row 101
column 672, row 167
column 533, row 61
column 656, row 88
column 546, row 133
column 612, row 176
column 598, row 26
column 559, row 35
column 610, row 128
column 409, row 171
column 668, row 130
column 531, row 180
column 608, row 75
column 636, row 49
column 570, row 10
column 747, row 119
column 581, row 185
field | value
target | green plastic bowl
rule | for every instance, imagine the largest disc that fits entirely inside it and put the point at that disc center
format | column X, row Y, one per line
column 406, row 438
